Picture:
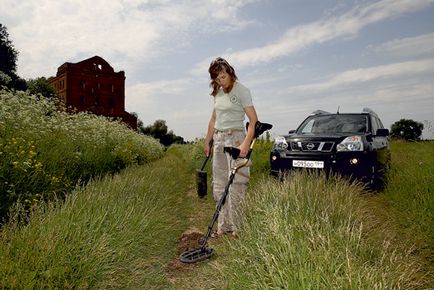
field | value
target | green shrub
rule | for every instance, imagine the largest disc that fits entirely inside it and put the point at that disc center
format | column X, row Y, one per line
column 45, row 152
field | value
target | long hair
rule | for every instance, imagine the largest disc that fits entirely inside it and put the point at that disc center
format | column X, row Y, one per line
column 218, row 65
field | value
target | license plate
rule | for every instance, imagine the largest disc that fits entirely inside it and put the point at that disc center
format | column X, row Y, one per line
column 308, row 164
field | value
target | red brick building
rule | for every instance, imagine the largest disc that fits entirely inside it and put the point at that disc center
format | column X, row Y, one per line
column 92, row 85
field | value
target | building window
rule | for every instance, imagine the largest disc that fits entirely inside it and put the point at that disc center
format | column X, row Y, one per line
column 82, row 99
column 82, row 84
column 111, row 102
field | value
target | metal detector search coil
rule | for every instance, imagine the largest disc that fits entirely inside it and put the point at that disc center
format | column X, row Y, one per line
column 196, row 255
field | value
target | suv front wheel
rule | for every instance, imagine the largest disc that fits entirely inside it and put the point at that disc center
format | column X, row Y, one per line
column 377, row 180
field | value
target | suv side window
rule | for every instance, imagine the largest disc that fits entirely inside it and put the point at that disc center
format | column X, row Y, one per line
column 308, row 127
column 380, row 125
column 374, row 125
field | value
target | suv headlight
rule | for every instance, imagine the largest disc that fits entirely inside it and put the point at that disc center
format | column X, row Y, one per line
column 280, row 143
column 352, row 143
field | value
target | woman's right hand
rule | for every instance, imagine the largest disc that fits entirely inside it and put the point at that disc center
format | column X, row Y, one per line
column 206, row 149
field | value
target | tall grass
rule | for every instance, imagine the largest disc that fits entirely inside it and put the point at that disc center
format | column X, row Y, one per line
column 410, row 194
column 44, row 152
column 310, row 232
column 260, row 158
column 307, row 232
column 116, row 233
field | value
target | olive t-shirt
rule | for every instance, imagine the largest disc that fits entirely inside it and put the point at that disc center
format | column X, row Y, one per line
column 229, row 107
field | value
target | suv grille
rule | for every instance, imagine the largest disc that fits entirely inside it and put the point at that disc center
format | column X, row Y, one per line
column 312, row 146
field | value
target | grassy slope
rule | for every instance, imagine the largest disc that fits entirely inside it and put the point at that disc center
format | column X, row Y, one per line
column 118, row 232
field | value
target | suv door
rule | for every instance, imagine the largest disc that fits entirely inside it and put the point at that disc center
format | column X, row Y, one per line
column 380, row 144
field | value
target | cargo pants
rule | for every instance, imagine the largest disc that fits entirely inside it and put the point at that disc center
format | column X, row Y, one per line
column 230, row 216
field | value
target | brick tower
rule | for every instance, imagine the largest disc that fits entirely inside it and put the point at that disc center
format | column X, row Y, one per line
column 92, row 85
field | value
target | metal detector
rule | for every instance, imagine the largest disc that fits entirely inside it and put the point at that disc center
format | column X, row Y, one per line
column 204, row 252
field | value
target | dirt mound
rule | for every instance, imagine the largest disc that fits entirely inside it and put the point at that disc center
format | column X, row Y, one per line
column 189, row 240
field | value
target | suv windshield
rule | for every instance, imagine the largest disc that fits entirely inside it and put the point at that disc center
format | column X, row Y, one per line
column 341, row 123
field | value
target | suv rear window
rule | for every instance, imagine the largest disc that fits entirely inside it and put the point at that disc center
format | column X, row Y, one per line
column 322, row 124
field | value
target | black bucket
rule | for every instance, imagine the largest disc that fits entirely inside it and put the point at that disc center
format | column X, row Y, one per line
column 202, row 184
column 201, row 176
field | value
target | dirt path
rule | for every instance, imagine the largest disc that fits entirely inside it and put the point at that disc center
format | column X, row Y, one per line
column 182, row 275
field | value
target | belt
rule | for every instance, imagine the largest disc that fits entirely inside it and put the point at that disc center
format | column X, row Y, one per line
column 228, row 130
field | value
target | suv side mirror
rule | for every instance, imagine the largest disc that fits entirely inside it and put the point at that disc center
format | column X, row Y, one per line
column 291, row 131
column 383, row 132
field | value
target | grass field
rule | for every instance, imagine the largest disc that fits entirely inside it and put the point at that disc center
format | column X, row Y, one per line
column 409, row 196
column 308, row 232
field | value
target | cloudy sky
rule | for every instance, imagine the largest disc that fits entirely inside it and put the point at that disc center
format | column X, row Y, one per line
column 296, row 56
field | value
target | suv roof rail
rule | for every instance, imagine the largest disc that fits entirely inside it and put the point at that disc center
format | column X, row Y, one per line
column 370, row 111
column 319, row 112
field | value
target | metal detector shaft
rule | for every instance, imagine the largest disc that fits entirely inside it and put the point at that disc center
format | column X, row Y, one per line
column 218, row 208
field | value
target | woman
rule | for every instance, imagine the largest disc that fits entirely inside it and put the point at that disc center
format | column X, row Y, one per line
column 232, row 101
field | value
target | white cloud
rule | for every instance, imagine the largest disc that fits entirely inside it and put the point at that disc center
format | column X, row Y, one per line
column 48, row 33
column 410, row 46
column 405, row 94
column 363, row 75
column 159, row 87
column 348, row 24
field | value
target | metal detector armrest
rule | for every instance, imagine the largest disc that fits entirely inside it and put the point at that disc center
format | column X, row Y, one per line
column 233, row 151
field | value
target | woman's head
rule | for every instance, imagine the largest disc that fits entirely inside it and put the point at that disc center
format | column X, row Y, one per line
column 222, row 75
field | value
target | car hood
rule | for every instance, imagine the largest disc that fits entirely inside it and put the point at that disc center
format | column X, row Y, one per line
column 336, row 137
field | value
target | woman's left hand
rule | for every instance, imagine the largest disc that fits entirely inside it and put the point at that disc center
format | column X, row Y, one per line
column 245, row 146
column 244, row 149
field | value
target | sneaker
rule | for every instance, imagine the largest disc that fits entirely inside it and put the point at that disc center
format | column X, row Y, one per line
column 217, row 233
column 232, row 234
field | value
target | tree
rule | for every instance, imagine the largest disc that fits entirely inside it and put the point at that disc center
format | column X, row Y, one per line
column 8, row 54
column 157, row 130
column 406, row 129
column 8, row 63
column 160, row 131
column 41, row 86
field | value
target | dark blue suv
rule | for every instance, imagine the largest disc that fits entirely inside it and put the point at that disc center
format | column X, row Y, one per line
column 352, row 144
